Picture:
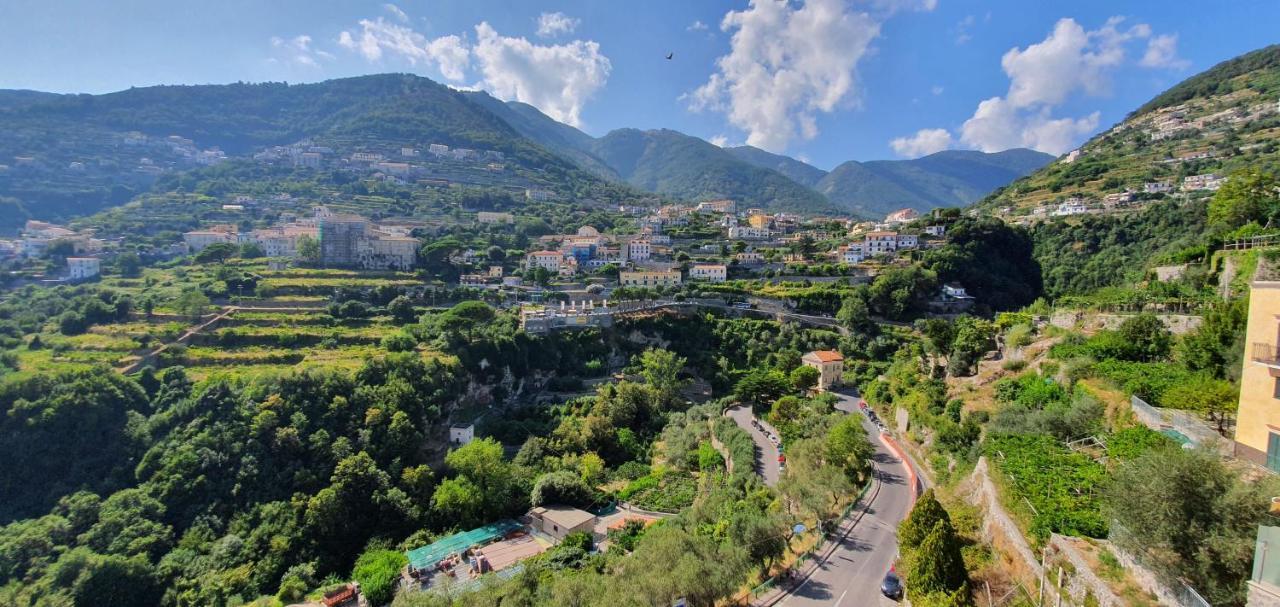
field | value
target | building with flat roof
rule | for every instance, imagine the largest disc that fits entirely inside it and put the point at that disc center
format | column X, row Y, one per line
column 560, row 521
column 708, row 271
column 83, row 268
column 649, row 279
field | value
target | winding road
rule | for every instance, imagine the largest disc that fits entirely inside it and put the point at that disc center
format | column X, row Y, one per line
column 766, row 452
column 852, row 571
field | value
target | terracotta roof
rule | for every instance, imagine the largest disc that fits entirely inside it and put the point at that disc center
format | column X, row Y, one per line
column 826, row 356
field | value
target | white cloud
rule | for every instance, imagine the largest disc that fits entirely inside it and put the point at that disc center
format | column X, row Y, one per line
column 298, row 51
column 396, row 12
column 379, row 37
column 999, row 125
column 1042, row 76
column 1068, row 60
column 696, row 26
column 719, row 140
column 1162, row 52
column 556, row 79
column 785, row 66
column 555, row 24
column 962, row 29
column 923, row 143
column 936, row 89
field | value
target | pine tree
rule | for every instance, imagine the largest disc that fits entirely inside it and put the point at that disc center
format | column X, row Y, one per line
column 926, row 513
column 936, row 565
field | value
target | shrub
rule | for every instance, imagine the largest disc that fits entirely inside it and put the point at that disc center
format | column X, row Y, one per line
column 378, row 571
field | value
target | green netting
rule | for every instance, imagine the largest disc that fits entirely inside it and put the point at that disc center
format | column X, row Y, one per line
column 428, row 556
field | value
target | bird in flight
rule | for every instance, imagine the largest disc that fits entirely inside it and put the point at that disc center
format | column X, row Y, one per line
column 670, row 55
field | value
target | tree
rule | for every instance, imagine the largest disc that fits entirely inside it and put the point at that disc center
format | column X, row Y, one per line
column 804, row 377
column 1206, row 522
column 973, row 338
column 191, row 302
column 760, row 387
column 936, row 565
column 1215, row 398
column 459, row 500
column 1147, row 336
column 308, row 249
column 849, row 447
column 1248, row 195
column 251, row 250
column 661, row 371
column 129, row 264
column 378, row 571
column 562, row 487
column 926, row 513
column 854, row 314
column 402, row 310
column 217, row 252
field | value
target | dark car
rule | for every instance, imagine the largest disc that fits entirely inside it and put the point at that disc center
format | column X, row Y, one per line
column 891, row 586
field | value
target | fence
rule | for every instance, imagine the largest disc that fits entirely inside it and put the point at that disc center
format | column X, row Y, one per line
column 1182, row 426
column 1252, row 242
column 1168, row 588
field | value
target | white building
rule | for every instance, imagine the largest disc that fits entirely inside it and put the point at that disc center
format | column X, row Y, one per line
column 1207, row 181
column 938, row 230
column 879, row 243
column 709, row 272
column 639, row 249
column 748, row 233
column 547, row 260
column 749, row 257
column 1157, row 187
column 197, row 240
column 851, row 254
column 83, row 268
column 908, row 241
column 461, row 434
column 954, row 290
column 1070, row 207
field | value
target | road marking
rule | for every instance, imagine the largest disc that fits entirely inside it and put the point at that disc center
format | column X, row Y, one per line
column 841, row 599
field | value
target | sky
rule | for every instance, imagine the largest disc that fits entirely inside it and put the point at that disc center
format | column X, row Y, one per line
column 824, row 81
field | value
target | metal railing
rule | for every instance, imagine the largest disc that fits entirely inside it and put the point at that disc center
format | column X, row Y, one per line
column 1267, row 354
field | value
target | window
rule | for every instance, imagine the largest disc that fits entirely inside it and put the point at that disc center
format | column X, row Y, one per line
column 1275, row 393
column 1273, row 452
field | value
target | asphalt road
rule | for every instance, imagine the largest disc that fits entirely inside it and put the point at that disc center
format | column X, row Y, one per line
column 851, row 576
column 766, row 451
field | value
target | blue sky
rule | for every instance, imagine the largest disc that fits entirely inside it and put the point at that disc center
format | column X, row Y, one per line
column 821, row 80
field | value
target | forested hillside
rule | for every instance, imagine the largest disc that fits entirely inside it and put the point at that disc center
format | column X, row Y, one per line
column 670, row 162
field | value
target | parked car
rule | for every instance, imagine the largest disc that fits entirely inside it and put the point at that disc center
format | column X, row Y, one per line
column 891, row 587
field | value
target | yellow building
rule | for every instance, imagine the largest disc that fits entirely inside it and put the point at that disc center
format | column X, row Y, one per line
column 830, row 366
column 759, row 222
column 665, row 278
column 1258, row 421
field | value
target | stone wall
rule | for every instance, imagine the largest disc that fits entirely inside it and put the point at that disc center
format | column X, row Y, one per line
column 1082, row 582
column 998, row 527
column 1178, row 324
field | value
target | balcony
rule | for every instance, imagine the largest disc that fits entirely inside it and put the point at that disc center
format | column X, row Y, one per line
column 1265, row 354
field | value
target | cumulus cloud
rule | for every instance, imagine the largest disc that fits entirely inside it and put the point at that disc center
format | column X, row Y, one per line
column 998, row 125
column 395, row 11
column 378, row 38
column 298, row 51
column 719, row 140
column 1070, row 61
column 1162, row 52
column 923, row 143
column 697, row 26
column 786, row 65
column 556, row 79
column 555, row 24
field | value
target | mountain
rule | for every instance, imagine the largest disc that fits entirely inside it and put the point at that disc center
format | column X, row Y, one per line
column 670, row 162
column 557, row 136
column 946, row 179
column 77, row 158
column 799, row 172
column 1219, row 121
